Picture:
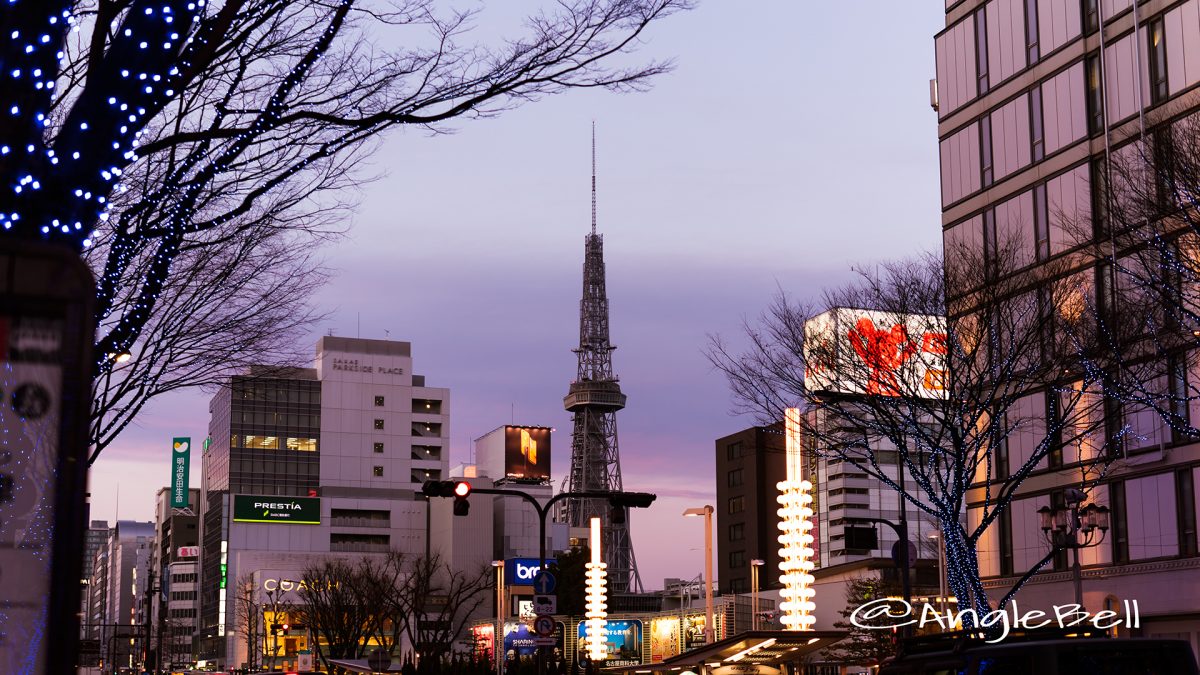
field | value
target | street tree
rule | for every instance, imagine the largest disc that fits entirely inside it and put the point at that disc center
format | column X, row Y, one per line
column 183, row 145
column 439, row 601
column 969, row 372
column 863, row 646
column 248, row 613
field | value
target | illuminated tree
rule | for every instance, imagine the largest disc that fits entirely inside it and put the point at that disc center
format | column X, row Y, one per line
column 968, row 395
column 159, row 136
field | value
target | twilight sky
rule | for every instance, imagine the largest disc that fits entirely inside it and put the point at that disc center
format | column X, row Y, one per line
column 793, row 140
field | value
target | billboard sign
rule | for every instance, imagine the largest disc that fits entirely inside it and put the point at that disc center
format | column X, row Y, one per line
column 273, row 509
column 181, row 453
column 527, row 453
column 521, row 571
column 521, row 642
column 857, row 351
column 664, row 638
column 624, row 643
column 188, row 552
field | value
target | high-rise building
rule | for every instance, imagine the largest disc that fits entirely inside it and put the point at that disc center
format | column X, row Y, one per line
column 308, row 464
column 172, row 606
column 1034, row 101
column 749, row 464
column 119, row 572
column 593, row 399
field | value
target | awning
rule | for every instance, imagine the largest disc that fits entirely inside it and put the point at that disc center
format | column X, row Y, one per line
column 360, row 666
column 750, row 653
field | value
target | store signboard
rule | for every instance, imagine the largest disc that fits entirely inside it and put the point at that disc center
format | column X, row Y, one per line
column 274, row 509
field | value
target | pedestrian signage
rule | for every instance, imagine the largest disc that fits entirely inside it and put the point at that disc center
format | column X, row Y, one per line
column 543, row 582
column 545, row 604
column 272, row 509
column 544, row 625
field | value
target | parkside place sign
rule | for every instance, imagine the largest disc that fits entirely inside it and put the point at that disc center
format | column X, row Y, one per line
column 274, row 509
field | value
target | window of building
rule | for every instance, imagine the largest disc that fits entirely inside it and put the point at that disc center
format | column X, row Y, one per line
column 378, row 447
column 733, row 450
column 981, row 51
column 183, row 595
column 1185, row 503
column 1058, row 502
column 736, row 505
column 427, row 406
column 378, row 401
column 986, row 165
column 738, row 586
column 1095, row 100
column 1031, row 32
column 1006, row 544
column 737, row 559
column 990, row 252
column 1091, row 15
column 737, row 532
column 379, row 424
column 1098, row 179
column 378, row 471
column 1041, row 222
column 302, row 444
column 1001, row 458
column 1037, row 134
column 1178, row 391
column 1119, row 527
column 1158, row 61
column 734, row 478
column 262, row 442
column 1054, row 456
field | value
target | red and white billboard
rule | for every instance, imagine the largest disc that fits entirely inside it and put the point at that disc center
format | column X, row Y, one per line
column 858, row 351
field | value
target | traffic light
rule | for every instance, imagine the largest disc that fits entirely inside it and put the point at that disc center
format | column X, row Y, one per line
column 459, row 489
column 462, row 490
column 438, row 488
column 621, row 502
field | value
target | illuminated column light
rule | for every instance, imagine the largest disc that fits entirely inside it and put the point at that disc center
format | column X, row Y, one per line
column 596, row 631
column 796, row 540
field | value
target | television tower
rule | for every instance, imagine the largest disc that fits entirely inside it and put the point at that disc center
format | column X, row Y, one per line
column 593, row 400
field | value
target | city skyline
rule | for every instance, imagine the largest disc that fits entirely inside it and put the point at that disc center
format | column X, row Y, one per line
column 486, row 288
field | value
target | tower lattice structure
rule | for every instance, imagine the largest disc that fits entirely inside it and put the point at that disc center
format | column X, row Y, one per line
column 594, row 399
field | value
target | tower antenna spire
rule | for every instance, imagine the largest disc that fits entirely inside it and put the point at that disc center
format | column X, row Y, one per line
column 593, row 176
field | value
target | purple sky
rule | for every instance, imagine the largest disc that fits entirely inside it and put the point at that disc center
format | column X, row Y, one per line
column 793, row 140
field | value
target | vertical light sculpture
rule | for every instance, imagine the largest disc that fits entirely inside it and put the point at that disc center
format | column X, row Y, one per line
column 597, row 596
column 796, row 540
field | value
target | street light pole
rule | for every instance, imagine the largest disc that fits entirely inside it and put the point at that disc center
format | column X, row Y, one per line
column 941, row 549
column 707, row 512
column 498, row 636
column 1062, row 527
column 754, row 604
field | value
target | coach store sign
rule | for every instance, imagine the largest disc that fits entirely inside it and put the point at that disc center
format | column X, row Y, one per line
column 274, row 509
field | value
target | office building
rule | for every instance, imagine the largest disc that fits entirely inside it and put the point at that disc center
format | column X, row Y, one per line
column 172, row 606
column 518, row 458
column 749, row 464
column 1034, row 102
column 308, row 464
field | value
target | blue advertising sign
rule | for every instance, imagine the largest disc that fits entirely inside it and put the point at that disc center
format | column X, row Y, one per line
column 519, row 641
column 521, row 571
column 624, row 642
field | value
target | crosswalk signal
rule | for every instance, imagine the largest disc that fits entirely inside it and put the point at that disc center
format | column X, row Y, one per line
column 462, row 490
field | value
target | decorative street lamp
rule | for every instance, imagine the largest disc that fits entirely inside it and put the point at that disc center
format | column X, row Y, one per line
column 796, row 541
column 1074, row 527
column 754, row 565
column 709, row 627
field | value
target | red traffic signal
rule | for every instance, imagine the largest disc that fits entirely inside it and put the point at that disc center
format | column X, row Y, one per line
column 462, row 489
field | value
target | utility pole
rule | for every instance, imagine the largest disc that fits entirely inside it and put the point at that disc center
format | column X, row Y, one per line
column 151, row 592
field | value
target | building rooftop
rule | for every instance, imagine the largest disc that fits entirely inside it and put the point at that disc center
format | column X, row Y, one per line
column 363, row 346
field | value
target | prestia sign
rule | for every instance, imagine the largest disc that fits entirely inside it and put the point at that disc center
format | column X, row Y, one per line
column 274, row 509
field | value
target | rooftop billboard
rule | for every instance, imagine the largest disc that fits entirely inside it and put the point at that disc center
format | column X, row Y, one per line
column 859, row 351
column 527, row 453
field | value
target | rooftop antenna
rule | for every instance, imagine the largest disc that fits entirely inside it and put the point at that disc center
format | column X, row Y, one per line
column 593, row 177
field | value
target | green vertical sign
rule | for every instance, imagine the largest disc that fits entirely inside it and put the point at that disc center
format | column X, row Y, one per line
column 181, row 450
